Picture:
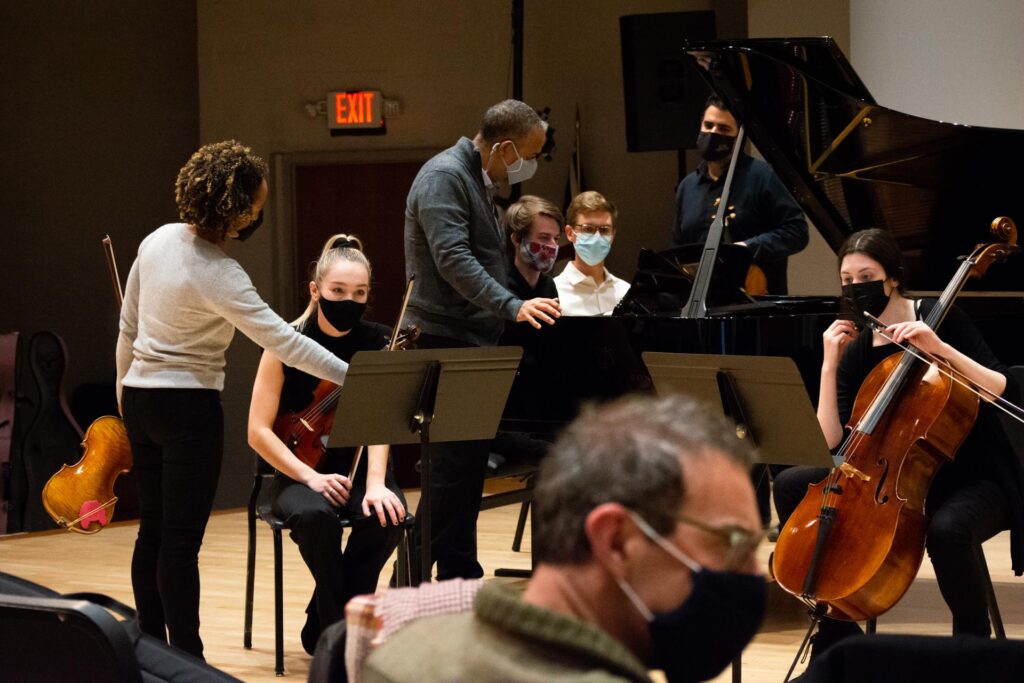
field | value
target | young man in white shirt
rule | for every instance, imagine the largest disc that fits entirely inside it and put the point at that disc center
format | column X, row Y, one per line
column 586, row 287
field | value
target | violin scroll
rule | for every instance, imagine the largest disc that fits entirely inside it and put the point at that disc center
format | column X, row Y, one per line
column 1005, row 231
column 404, row 339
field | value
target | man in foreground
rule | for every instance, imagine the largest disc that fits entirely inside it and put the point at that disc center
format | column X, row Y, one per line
column 645, row 547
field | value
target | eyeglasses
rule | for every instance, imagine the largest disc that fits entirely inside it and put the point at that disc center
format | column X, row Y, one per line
column 590, row 229
column 742, row 542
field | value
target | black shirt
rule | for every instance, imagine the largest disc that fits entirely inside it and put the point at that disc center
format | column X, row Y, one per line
column 767, row 218
column 518, row 285
column 297, row 392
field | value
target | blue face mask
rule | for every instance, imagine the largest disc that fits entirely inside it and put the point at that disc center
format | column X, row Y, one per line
column 592, row 248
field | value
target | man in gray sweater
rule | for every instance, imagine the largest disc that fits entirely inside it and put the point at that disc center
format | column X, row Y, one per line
column 456, row 249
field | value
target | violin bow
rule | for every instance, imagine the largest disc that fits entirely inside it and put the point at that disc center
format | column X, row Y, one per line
column 395, row 333
column 943, row 366
column 108, row 251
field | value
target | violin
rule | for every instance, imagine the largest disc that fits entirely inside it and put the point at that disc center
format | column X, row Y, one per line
column 855, row 543
column 73, row 496
column 756, row 282
column 305, row 432
column 81, row 497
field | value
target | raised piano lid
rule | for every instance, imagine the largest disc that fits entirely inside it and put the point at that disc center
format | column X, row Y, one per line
column 853, row 164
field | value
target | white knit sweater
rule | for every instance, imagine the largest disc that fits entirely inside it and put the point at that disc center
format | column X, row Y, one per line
column 183, row 301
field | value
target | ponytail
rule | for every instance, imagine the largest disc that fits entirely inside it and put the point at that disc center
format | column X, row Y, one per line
column 340, row 247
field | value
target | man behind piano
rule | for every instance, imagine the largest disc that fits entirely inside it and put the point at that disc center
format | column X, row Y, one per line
column 586, row 287
column 762, row 215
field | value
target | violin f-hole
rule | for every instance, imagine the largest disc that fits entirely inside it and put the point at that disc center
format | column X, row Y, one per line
column 879, row 498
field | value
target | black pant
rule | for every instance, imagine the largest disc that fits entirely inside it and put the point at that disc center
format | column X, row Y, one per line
column 314, row 527
column 177, row 439
column 762, row 477
column 457, row 477
column 963, row 515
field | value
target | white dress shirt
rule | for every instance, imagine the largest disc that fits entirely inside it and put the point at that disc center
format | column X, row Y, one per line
column 579, row 294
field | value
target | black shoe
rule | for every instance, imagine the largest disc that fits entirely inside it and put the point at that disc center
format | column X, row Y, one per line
column 830, row 632
column 310, row 634
column 311, row 630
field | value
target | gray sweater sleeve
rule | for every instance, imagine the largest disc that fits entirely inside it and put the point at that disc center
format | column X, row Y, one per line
column 233, row 296
column 128, row 325
column 442, row 210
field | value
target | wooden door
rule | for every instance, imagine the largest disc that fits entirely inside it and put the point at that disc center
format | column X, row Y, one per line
column 363, row 199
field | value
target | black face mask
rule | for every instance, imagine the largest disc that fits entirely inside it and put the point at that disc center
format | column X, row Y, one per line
column 342, row 315
column 715, row 146
column 698, row 639
column 865, row 296
column 246, row 232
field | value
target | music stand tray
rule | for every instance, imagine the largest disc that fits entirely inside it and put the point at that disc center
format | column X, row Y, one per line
column 764, row 395
column 424, row 395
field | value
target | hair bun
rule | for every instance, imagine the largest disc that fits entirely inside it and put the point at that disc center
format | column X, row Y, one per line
column 346, row 243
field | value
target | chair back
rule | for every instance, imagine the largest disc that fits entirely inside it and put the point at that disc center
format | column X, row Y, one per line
column 55, row 639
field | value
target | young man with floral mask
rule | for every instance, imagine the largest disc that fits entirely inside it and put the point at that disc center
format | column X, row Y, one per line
column 455, row 246
column 586, row 287
column 655, row 570
column 533, row 225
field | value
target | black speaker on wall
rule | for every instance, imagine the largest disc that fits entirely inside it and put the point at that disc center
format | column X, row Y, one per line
column 664, row 92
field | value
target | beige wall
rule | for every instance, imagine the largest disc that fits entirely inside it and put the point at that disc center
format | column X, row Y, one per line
column 964, row 63
column 100, row 110
column 445, row 61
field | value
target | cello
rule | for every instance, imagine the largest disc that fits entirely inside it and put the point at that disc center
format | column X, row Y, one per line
column 855, row 543
column 81, row 497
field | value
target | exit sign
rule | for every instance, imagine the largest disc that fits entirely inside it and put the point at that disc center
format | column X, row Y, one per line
column 355, row 110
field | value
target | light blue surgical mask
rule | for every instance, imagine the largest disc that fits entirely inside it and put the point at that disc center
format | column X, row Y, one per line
column 592, row 248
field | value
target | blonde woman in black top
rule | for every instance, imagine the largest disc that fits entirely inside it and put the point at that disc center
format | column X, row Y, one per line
column 311, row 499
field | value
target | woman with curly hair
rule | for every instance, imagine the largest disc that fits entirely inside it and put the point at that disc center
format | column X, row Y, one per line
column 184, row 299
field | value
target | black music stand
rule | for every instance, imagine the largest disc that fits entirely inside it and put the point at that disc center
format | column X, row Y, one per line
column 764, row 395
column 421, row 396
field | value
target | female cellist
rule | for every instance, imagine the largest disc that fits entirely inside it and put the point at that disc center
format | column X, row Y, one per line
column 184, row 299
column 971, row 499
column 308, row 499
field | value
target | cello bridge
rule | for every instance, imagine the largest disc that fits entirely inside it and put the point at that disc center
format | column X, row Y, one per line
column 850, row 471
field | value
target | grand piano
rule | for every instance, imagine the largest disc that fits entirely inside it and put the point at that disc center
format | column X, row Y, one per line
column 851, row 164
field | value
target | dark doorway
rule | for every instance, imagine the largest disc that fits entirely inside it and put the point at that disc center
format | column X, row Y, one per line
column 363, row 199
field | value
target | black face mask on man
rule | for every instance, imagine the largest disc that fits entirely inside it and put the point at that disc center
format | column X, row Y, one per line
column 865, row 296
column 343, row 315
column 246, row 232
column 715, row 146
column 699, row 638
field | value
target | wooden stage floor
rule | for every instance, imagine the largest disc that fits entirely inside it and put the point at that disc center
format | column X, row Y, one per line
column 72, row 562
